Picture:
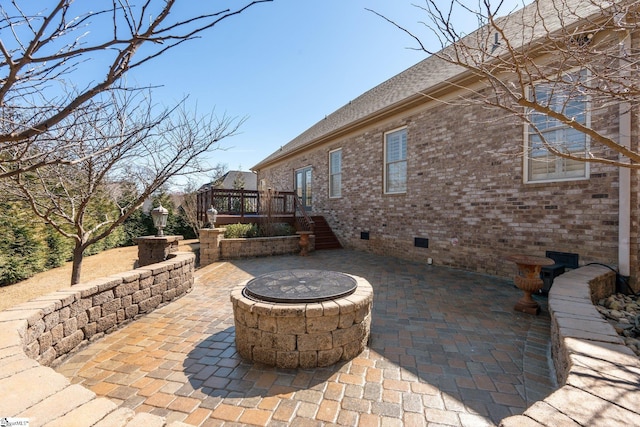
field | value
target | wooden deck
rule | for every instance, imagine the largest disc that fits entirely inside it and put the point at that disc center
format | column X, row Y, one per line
column 250, row 207
column 252, row 219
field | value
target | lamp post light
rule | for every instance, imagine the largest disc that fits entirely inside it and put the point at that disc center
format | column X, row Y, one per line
column 159, row 216
column 212, row 215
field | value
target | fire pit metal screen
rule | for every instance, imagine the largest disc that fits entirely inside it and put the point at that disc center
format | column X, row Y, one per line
column 300, row 286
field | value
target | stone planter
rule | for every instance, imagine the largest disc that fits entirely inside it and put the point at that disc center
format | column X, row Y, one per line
column 305, row 242
column 213, row 247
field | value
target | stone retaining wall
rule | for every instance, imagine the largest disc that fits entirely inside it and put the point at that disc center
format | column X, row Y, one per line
column 35, row 334
column 213, row 247
column 600, row 376
column 260, row 246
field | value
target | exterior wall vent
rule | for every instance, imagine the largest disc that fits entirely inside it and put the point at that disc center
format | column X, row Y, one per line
column 420, row 242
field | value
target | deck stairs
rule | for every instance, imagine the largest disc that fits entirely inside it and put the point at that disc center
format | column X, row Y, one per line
column 325, row 238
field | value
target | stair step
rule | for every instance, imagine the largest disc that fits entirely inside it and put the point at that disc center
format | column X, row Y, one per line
column 325, row 237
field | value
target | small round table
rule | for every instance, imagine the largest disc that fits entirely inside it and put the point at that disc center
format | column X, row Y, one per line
column 528, row 280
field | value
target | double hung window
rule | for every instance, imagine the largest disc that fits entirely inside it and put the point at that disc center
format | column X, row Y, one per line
column 395, row 161
column 566, row 98
column 335, row 173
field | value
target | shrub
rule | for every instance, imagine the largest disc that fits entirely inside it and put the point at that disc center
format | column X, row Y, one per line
column 235, row 231
column 137, row 225
column 282, row 229
column 22, row 252
column 59, row 249
column 116, row 239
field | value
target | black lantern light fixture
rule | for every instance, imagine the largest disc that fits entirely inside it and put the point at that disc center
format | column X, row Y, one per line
column 159, row 216
column 212, row 215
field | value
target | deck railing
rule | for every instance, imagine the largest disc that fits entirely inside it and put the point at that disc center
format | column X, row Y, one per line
column 249, row 206
column 303, row 221
column 227, row 202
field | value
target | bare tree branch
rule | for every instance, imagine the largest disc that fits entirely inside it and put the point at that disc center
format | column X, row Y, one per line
column 43, row 48
column 542, row 44
column 87, row 201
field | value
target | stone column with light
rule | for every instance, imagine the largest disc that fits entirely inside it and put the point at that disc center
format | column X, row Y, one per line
column 153, row 249
column 210, row 239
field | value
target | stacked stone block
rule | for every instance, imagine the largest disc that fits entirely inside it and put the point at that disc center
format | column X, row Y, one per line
column 40, row 331
column 153, row 249
column 59, row 322
column 261, row 246
column 214, row 247
column 598, row 373
column 210, row 244
column 308, row 335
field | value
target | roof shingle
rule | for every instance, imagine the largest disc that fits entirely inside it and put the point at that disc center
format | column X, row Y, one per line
column 522, row 26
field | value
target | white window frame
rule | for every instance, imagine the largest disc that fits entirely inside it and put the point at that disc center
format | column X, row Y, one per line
column 385, row 183
column 333, row 194
column 559, row 161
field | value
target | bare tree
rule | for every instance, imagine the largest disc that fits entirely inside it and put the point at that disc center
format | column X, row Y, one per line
column 189, row 208
column 538, row 63
column 189, row 205
column 45, row 49
column 124, row 153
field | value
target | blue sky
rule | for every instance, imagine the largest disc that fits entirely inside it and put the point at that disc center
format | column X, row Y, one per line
column 284, row 65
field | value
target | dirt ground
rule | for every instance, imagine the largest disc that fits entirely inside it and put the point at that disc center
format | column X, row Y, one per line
column 103, row 264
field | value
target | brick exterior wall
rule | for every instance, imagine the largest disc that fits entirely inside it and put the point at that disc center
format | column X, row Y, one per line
column 465, row 193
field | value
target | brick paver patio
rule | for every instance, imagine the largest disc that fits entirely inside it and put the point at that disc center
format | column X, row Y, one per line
column 446, row 348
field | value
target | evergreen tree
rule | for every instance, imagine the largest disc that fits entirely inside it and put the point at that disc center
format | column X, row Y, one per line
column 21, row 252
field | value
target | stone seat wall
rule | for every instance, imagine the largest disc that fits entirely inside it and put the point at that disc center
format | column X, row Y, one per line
column 40, row 332
column 600, row 376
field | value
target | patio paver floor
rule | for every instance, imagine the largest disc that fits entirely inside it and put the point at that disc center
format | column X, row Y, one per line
column 446, row 348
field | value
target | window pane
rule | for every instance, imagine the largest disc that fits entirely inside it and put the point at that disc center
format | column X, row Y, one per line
column 396, row 177
column 336, row 185
column 335, row 176
column 397, row 146
column 568, row 100
column 299, row 184
column 396, row 165
column 336, row 163
column 307, row 188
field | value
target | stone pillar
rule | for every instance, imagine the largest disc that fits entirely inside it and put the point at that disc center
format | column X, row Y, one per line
column 210, row 245
column 152, row 249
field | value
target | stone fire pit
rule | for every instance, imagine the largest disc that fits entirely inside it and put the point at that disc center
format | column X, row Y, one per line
column 302, row 318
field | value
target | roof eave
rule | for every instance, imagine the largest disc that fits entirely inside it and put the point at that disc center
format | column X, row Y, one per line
column 411, row 102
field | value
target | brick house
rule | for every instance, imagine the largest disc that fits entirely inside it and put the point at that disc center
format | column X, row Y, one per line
column 397, row 171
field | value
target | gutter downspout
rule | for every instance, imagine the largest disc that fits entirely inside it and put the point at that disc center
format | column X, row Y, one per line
column 624, row 209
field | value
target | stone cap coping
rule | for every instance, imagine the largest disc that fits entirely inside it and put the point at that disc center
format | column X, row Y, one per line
column 601, row 376
column 362, row 296
column 158, row 239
